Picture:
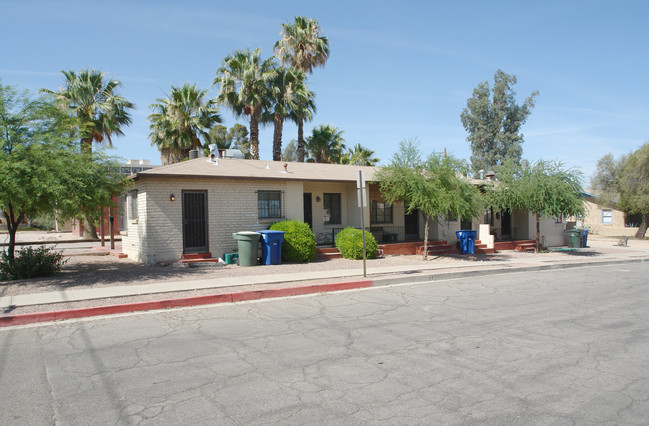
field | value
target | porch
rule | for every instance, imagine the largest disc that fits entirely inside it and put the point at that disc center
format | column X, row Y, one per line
column 435, row 248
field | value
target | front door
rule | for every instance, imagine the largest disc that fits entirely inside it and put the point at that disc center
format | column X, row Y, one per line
column 195, row 221
column 411, row 223
column 505, row 225
column 466, row 224
column 308, row 209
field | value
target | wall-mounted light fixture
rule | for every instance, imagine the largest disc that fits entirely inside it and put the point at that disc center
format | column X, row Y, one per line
column 317, row 198
column 172, row 197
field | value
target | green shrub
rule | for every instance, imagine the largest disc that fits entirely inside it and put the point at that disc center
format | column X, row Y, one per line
column 349, row 243
column 31, row 263
column 299, row 241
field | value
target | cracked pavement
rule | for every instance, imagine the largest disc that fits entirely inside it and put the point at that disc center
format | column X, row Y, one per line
column 553, row 347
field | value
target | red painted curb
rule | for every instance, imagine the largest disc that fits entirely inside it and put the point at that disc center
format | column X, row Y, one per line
column 296, row 291
column 36, row 317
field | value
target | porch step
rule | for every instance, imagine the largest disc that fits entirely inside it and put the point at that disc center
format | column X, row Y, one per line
column 438, row 249
column 327, row 253
column 484, row 250
column 511, row 245
column 193, row 256
column 208, row 260
column 326, row 250
column 327, row 256
column 198, row 258
column 119, row 254
column 526, row 247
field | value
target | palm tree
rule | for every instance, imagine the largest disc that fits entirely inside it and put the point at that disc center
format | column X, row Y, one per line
column 302, row 112
column 303, row 48
column 180, row 120
column 243, row 87
column 359, row 156
column 325, row 144
column 100, row 112
column 285, row 91
column 92, row 98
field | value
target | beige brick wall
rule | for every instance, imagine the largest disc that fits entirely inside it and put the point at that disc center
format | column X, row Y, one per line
column 231, row 207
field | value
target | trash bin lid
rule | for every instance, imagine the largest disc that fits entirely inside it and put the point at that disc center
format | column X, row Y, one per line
column 246, row 235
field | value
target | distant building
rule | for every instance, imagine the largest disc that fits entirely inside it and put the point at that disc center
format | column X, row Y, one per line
column 129, row 168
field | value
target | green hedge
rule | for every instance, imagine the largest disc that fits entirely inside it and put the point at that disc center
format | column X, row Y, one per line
column 299, row 241
column 31, row 263
column 349, row 243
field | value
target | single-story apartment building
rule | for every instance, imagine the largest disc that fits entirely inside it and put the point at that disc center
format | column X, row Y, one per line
column 605, row 220
column 196, row 205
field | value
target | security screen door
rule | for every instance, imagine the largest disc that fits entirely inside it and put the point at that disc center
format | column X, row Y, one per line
column 195, row 221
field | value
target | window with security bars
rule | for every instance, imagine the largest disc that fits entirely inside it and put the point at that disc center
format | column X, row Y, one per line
column 380, row 212
column 133, row 213
column 331, row 206
column 269, row 204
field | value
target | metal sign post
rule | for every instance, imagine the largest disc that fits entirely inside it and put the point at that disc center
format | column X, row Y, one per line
column 362, row 202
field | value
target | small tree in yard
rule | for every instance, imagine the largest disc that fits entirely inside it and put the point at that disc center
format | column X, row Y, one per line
column 41, row 170
column 545, row 189
column 434, row 186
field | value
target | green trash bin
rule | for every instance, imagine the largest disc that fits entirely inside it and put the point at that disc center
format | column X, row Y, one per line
column 248, row 244
column 576, row 238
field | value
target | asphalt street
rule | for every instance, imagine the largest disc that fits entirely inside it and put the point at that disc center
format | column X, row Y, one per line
column 555, row 347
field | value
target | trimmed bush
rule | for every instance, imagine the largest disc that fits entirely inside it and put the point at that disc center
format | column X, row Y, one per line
column 31, row 263
column 349, row 243
column 299, row 241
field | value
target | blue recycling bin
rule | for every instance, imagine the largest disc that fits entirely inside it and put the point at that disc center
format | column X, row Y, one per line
column 585, row 238
column 271, row 247
column 467, row 239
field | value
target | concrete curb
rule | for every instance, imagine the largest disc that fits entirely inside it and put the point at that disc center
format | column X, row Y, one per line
column 427, row 276
column 37, row 317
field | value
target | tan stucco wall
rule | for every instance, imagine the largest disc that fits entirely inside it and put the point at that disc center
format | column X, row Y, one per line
column 349, row 211
column 593, row 221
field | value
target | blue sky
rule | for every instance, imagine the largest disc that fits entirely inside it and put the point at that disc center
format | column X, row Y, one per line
column 397, row 69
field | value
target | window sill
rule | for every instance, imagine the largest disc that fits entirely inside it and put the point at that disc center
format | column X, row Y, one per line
column 270, row 219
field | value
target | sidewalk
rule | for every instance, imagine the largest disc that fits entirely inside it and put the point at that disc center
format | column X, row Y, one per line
column 259, row 284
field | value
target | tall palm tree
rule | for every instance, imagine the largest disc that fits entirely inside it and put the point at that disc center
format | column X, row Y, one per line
column 285, row 91
column 302, row 112
column 180, row 120
column 359, row 156
column 325, row 144
column 92, row 98
column 303, row 48
column 243, row 87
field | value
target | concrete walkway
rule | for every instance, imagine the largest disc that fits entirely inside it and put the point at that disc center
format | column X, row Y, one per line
column 607, row 253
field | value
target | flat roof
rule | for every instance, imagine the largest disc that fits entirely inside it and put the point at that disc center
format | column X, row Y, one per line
column 235, row 168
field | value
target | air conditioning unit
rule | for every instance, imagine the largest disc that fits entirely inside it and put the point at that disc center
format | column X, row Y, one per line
column 232, row 153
